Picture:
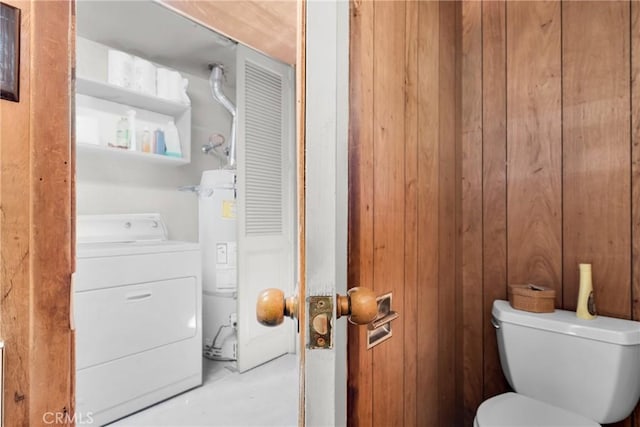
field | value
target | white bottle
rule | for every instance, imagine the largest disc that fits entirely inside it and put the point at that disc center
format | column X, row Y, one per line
column 131, row 117
column 122, row 133
column 172, row 140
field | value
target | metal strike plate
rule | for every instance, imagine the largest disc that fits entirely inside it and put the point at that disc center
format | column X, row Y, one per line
column 320, row 315
column 380, row 329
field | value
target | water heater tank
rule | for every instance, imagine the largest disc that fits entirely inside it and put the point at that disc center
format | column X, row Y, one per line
column 218, row 231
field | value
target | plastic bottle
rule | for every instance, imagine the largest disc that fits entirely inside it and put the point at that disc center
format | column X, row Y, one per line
column 586, row 304
column 131, row 118
column 160, row 145
column 172, row 140
column 122, row 133
column 146, row 141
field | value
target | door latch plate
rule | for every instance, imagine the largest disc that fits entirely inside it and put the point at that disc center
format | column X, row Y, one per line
column 320, row 315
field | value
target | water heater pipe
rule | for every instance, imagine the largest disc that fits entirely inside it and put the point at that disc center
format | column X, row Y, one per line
column 215, row 81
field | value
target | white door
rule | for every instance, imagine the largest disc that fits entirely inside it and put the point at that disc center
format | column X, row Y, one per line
column 327, row 114
column 265, row 199
column 323, row 395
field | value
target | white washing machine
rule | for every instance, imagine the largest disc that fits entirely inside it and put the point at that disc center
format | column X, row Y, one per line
column 138, row 315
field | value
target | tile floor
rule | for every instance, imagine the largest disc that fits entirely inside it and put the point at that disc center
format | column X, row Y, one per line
column 264, row 396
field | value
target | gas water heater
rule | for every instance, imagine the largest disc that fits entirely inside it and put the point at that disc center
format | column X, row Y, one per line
column 218, row 242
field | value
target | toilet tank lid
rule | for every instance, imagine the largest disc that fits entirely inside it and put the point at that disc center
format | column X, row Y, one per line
column 602, row 328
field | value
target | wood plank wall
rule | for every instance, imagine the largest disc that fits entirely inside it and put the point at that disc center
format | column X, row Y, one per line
column 551, row 165
column 36, row 225
column 403, row 200
column 267, row 26
column 14, row 233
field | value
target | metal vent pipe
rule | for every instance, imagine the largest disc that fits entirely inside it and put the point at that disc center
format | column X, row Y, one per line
column 215, row 81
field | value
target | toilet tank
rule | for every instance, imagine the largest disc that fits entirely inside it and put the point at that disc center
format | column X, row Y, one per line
column 590, row 367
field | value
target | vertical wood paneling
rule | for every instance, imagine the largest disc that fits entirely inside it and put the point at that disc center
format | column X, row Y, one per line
column 494, row 185
column 635, row 156
column 51, row 220
column 447, row 210
column 388, row 216
column 534, row 152
column 471, row 122
column 14, row 234
column 36, row 223
column 596, row 152
column 571, row 113
column 73, row 211
column 404, row 182
column 360, row 271
column 411, row 213
column 635, row 169
column 457, row 166
column 428, row 200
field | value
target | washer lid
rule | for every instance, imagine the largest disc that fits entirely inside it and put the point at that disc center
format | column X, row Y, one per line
column 120, row 228
column 93, row 250
column 516, row 410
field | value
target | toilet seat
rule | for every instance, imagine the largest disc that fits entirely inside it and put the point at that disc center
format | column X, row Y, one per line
column 516, row 410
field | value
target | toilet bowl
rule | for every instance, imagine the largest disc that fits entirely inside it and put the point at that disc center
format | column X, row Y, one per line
column 517, row 410
column 565, row 371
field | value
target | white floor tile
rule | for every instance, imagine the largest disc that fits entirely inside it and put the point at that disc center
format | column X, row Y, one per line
column 264, row 396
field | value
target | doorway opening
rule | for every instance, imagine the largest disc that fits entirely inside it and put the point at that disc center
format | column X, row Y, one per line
column 185, row 211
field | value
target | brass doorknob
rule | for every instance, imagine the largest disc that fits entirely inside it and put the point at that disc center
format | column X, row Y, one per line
column 272, row 306
column 359, row 304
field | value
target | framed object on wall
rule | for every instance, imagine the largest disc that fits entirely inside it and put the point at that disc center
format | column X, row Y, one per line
column 9, row 52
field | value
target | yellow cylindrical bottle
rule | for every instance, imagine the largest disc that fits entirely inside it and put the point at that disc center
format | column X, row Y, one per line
column 586, row 304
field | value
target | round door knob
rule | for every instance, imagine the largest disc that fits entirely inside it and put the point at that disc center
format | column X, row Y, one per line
column 272, row 307
column 359, row 304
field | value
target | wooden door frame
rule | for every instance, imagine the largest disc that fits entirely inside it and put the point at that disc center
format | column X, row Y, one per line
column 301, row 75
column 36, row 226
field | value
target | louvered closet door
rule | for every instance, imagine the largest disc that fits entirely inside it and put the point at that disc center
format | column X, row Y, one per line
column 265, row 200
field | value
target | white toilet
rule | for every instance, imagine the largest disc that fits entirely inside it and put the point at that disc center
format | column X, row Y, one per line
column 565, row 371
